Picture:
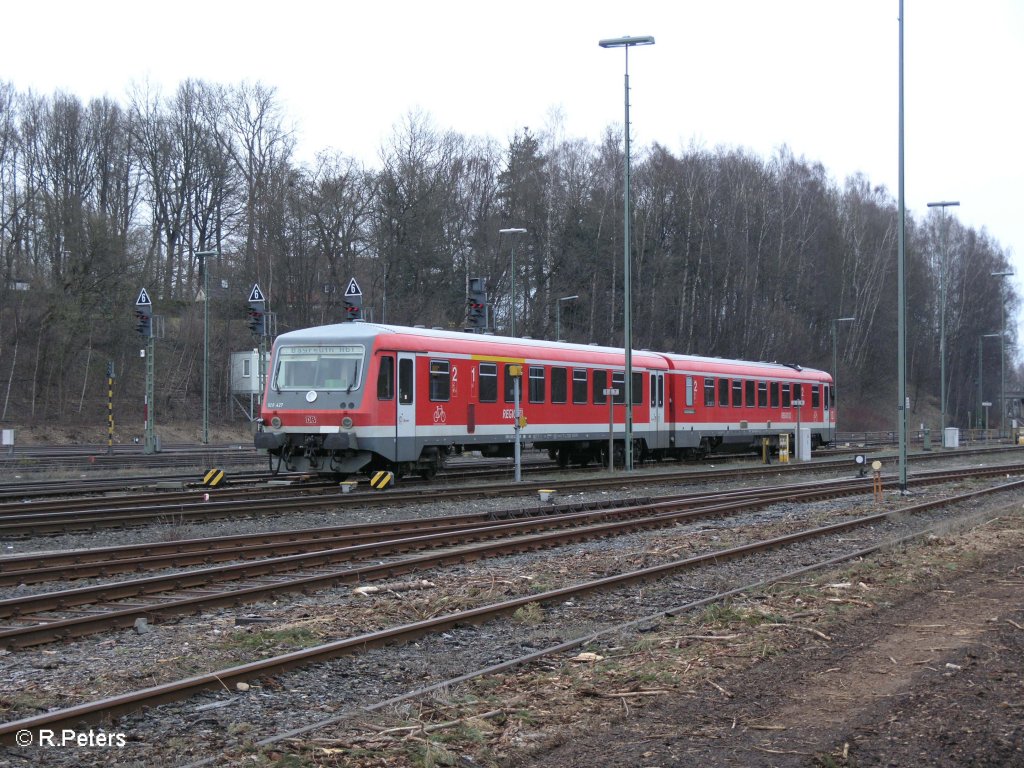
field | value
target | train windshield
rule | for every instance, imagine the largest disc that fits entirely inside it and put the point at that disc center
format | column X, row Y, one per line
column 330, row 368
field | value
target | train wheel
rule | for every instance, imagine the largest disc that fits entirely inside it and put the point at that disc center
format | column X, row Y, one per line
column 563, row 458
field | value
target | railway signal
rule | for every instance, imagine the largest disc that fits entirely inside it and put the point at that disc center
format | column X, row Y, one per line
column 144, row 325
column 353, row 301
column 476, row 306
column 257, row 320
column 144, row 315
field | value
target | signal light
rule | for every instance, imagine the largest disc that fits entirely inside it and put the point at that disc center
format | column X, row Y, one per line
column 143, row 323
column 353, row 309
column 476, row 305
column 257, row 321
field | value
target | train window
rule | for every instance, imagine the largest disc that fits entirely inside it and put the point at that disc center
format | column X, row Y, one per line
column 637, row 390
column 619, row 385
column 600, row 385
column 737, row 393
column 510, row 396
column 440, row 380
column 537, row 384
column 331, row 368
column 798, row 392
column 488, row 382
column 762, row 394
column 786, row 401
column 689, row 391
column 775, row 394
column 815, row 396
column 405, row 381
column 828, row 396
column 723, row 391
column 657, row 390
column 579, row 386
column 386, row 378
column 709, row 392
column 749, row 385
column 559, row 385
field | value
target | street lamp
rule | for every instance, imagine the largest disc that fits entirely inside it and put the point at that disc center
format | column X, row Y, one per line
column 901, row 278
column 513, row 231
column 1002, row 356
column 981, row 371
column 204, row 267
column 625, row 43
column 835, row 372
column 558, row 315
column 942, row 205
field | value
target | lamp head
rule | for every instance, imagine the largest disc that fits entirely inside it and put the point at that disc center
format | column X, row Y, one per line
column 623, row 42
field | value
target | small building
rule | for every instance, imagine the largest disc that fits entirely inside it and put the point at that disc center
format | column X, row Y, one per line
column 246, row 382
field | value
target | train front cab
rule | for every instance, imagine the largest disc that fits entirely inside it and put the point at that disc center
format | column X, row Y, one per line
column 314, row 411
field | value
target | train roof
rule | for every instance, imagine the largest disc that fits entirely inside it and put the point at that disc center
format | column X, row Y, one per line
column 422, row 339
column 726, row 366
column 435, row 339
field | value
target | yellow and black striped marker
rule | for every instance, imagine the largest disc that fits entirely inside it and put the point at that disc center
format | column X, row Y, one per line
column 213, row 478
column 381, row 480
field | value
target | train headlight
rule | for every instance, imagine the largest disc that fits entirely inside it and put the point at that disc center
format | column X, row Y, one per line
column 275, row 422
column 347, row 422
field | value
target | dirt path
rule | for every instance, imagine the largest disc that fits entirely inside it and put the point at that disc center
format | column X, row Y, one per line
column 929, row 675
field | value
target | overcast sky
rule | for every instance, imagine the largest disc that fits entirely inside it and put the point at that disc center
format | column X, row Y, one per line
column 817, row 75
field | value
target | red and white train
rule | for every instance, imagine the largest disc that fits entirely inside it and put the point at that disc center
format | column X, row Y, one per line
column 359, row 397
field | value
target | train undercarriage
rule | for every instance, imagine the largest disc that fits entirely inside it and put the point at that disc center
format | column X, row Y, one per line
column 339, row 457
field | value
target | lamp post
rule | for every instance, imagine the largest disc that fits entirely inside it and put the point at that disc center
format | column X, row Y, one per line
column 901, row 279
column 513, row 231
column 627, row 306
column 1002, row 355
column 942, row 205
column 558, row 315
column 835, row 372
column 981, row 371
column 204, row 267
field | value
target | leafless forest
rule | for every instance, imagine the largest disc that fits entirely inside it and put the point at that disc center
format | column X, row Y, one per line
column 734, row 255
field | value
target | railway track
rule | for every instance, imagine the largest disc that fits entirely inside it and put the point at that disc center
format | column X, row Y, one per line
column 82, row 489
column 67, row 515
column 116, row 705
column 355, row 554
column 95, row 458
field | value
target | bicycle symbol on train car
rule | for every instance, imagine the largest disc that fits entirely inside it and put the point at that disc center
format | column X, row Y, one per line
column 440, row 416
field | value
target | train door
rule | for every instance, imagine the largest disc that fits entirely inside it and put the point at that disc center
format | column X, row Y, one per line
column 405, row 421
column 659, row 436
